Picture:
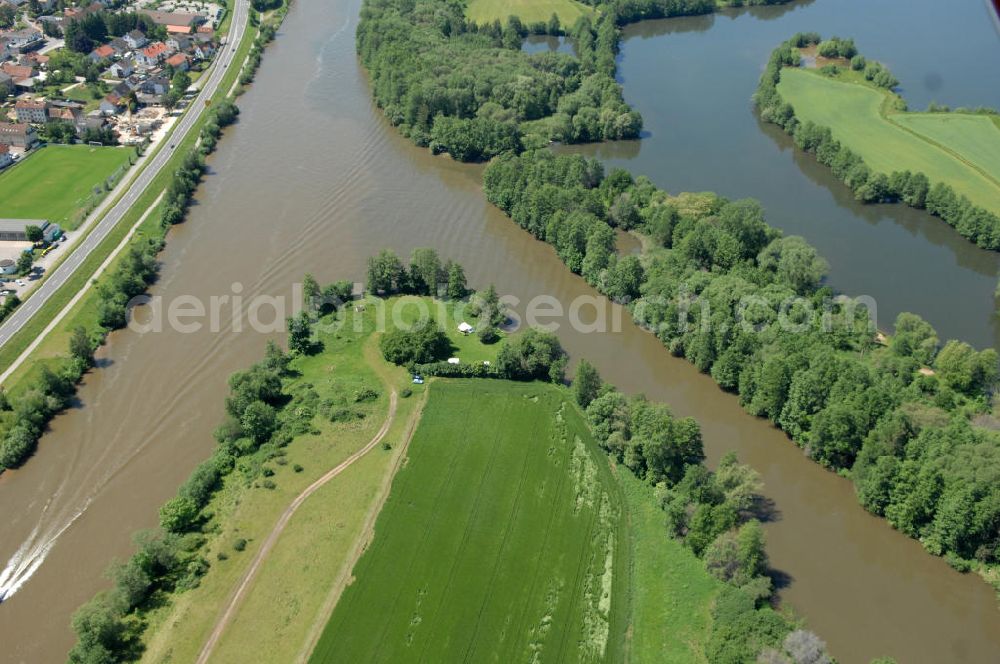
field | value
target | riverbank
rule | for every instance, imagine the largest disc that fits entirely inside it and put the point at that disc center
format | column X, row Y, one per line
column 274, row 615
column 807, row 361
column 103, row 309
column 846, row 114
column 124, row 450
column 218, row 573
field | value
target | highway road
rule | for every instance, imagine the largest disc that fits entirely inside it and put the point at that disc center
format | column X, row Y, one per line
column 58, row 278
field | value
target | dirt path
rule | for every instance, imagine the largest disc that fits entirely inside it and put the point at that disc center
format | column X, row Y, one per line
column 363, row 540
column 272, row 539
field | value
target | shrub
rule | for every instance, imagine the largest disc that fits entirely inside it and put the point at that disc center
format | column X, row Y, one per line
column 425, row 342
column 365, row 394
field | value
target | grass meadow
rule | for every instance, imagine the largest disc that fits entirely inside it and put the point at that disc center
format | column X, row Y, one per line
column 278, row 611
column 57, row 180
column 964, row 153
column 502, row 540
column 672, row 593
column 529, row 11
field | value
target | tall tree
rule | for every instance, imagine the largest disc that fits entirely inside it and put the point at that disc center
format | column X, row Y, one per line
column 457, row 287
column 586, row 384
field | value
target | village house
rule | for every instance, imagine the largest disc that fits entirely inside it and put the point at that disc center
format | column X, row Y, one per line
column 119, row 45
column 31, row 110
column 6, row 158
column 152, row 55
column 179, row 62
column 135, row 40
column 179, row 42
column 203, row 51
column 93, row 120
column 123, row 68
column 101, row 53
column 66, row 111
column 112, row 103
column 18, row 72
column 17, row 135
column 34, row 59
column 78, row 13
column 56, row 23
column 6, row 84
column 177, row 20
column 23, row 41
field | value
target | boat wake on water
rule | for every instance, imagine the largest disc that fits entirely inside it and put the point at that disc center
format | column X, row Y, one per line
column 30, row 556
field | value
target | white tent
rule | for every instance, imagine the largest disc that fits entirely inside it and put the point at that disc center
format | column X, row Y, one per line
column 465, row 328
column 453, row 360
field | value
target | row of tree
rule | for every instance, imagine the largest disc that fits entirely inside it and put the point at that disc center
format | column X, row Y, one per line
column 260, row 419
column 188, row 175
column 426, row 275
column 915, row 189
column 266, row 34
column 747, row 305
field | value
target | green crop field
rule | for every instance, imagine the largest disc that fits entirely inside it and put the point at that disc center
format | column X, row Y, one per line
column 529, row 11
column 975, row 137
column 968, row 163
column 502, row 540
column 57, row 180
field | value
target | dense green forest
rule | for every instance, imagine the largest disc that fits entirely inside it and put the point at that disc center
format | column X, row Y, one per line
column 915, row 189
column 908, row 421
column 469, row 90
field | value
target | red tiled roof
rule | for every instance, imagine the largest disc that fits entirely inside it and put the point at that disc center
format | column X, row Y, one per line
column 177, row 59
column 29, row 103
column 17, row 71
column 104, row 51
column 155, row 50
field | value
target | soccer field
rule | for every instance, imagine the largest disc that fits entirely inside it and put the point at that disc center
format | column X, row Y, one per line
column 962, row 151
column 529, row 11
column 56, row 181
column 502, row 540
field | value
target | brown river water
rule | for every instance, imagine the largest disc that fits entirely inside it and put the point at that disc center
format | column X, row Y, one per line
column 312, row 179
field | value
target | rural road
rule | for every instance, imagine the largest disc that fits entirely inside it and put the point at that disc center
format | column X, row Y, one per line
column 65, row 271
column 279, row 527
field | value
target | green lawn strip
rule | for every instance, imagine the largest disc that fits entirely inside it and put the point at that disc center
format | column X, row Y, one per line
column 58, row 180
column 529, row 11
column 227, row 19
column 293, row 582
column 53, row 349
column 672, row 593
column 854, row 115
column 494, row 540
